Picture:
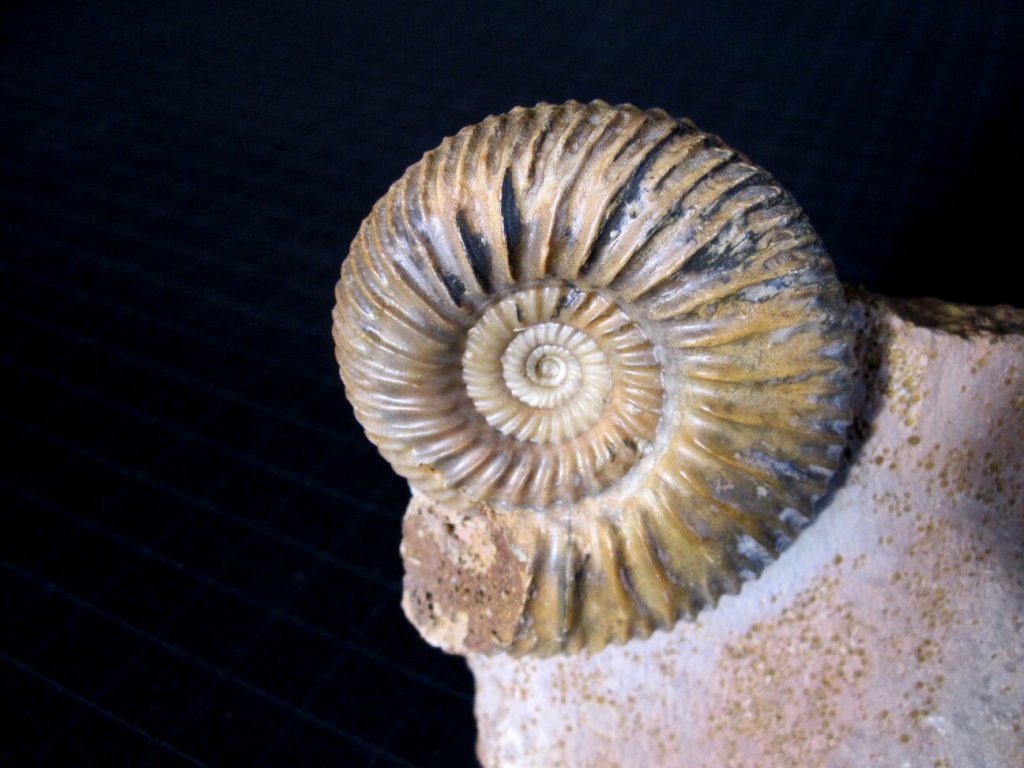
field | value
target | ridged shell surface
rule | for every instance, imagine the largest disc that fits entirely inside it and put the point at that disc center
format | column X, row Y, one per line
column 606, row 332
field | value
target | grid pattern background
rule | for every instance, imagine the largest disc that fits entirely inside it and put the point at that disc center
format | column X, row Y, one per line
column 198, row 548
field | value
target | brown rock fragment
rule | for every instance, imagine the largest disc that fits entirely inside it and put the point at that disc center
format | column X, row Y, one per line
column 465, row 588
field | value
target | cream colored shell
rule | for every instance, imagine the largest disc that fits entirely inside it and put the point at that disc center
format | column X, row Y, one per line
column 613, row 339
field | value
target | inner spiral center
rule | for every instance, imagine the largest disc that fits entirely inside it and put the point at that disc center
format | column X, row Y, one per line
column 551, row 365
column 548, row 371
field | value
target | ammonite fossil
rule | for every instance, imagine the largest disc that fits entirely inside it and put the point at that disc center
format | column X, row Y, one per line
column 613, row 343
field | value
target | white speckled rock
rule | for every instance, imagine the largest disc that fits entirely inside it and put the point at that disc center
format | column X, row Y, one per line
column 889, row 634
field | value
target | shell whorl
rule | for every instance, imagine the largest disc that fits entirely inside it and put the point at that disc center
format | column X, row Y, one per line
column 617, row 339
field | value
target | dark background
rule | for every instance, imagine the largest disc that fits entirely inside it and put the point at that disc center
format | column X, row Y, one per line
column 198, row 548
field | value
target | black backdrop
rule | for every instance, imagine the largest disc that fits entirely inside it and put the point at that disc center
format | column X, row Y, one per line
column 198, row 549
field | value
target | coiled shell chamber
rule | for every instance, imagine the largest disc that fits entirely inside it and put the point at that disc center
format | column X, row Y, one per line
column 609, row 355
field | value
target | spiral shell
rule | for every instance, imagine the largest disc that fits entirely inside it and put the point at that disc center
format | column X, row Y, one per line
column 615, row 341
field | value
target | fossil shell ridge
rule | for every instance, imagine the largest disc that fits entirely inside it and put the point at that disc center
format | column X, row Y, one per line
column 615, row 343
